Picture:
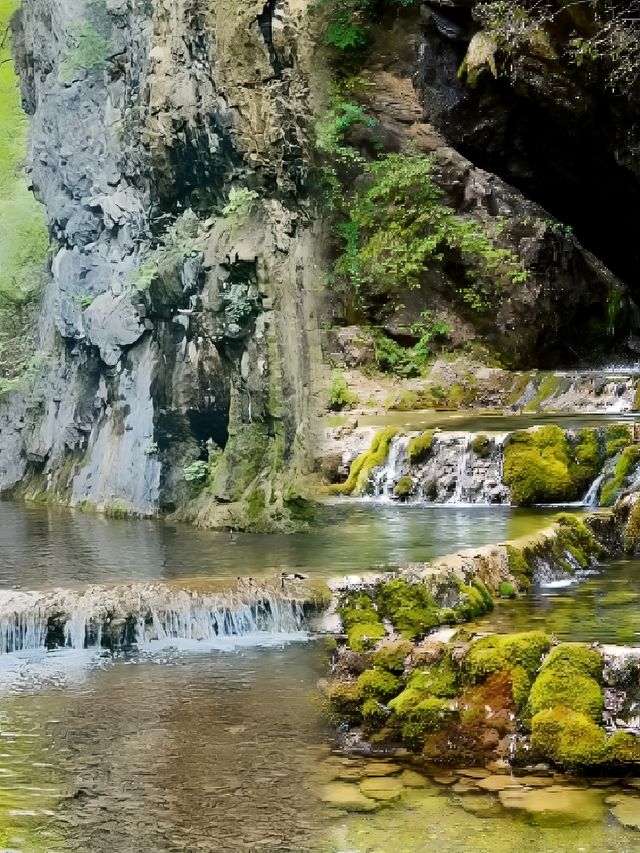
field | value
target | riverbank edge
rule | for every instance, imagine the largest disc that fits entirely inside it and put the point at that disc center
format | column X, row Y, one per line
column 399, row 688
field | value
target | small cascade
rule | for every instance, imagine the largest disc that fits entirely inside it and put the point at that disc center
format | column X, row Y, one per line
column 385, row 477
column 138, row 614
column 464, row 458
column 591, row 498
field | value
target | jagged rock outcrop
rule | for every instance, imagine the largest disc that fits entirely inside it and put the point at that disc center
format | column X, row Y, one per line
column 169, row 145
column 570, row 305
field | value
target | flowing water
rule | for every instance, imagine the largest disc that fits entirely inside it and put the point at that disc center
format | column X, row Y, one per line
column 45, row 547
column 211, row 741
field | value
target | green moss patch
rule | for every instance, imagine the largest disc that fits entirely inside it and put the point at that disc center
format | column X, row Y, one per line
column 419, row 447
column 625, row 466
column 543, row 466
column 571, row 678
column 363, row 465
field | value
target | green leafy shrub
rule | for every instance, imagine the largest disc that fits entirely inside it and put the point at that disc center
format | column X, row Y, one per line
column 339, row 394
column 239, row 205
column 401, row 227
column 196, row 472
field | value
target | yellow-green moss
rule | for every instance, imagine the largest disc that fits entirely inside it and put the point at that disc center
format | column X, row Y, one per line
column 409, row 607
column 345, row 700
column 623, row 748
column 403, row 488
column 364, row 464
column 391, row 655
column 546, row 389
column 519, row 567
column 419, row 447
column 476, row 601
column 613, row 488
column 379, row 684
column 427, row 716
column 365, row 635
column 499, row 652
column 568, row 738
column 536, row 466
column 570, row 678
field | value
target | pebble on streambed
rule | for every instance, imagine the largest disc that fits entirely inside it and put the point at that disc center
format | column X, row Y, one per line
column 357, row 785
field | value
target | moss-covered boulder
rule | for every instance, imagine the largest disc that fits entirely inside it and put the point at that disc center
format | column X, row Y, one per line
column 542, row 465
column 419, row 447
column 363, row 466
column 571, row 677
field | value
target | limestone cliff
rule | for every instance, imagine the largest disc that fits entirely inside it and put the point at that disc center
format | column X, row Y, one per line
column 170, row 146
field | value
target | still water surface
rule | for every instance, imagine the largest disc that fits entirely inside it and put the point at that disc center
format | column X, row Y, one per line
column 41, row 547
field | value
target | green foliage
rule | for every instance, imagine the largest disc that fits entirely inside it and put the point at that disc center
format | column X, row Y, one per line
column 347, row 29
column 240, row 205
column 364, row 635
column 196, row 472
column 24, row 241
column 88, row 50
column 339, row 394
column 402, row 228
column 391, row 357
column 362, row 467
column 617, row 437
column 507, row 590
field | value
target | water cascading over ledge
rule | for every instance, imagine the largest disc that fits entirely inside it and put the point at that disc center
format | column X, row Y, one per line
column 137, row 614
column 541, row 465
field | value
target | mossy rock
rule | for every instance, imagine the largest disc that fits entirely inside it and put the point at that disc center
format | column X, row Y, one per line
column 379, row 684
column 625, row 466
column 404, row 488
column 409, row 607
column 391, row 655
column 428, row 715
column 374, row 714
column 568, row 688
column 570, row 677
column 539, row 467
column 568, row 738
column 498, row 652
column 345, row 701
column 364, row 636
column 419, row 447
column 476, row 601
column 363, row 465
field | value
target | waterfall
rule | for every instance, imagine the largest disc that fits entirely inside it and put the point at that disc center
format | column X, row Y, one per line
column 591, row 498
column 138, row 614
column 464, row 455
column 384, row 478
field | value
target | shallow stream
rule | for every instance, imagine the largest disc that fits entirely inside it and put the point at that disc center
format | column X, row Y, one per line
column 221, row 749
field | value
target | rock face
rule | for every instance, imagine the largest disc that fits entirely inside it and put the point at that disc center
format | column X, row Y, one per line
column 571, row 303
column 169, row 145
